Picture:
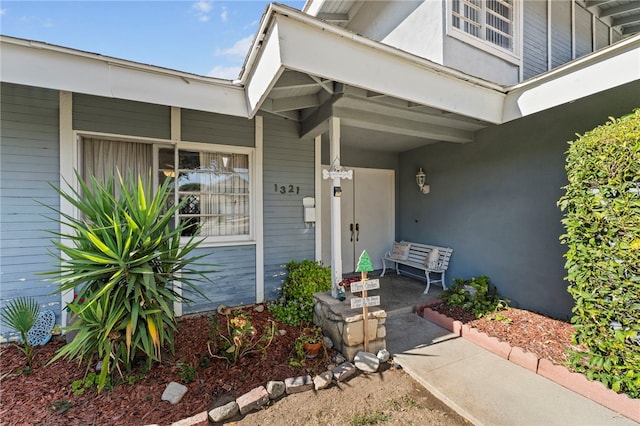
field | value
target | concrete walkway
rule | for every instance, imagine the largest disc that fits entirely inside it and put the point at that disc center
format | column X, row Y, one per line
column 482, row 387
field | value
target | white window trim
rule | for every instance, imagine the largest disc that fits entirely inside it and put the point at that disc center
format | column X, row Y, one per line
column 228, row 240
column 482, row 44
column 222, row 241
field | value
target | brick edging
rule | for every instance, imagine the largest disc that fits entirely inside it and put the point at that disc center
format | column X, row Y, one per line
column 576, row 382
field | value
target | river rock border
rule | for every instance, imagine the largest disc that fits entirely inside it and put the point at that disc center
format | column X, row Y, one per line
column 575, row 382
column 260, row 396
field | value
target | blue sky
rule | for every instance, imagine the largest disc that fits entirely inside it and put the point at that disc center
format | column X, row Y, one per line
column 206, row 37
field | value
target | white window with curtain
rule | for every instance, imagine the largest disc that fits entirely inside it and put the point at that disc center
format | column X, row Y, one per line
column 215, row 186
column 213, row 181
column 488, row 24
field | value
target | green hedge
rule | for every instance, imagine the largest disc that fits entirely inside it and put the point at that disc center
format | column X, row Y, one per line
column 602, row 221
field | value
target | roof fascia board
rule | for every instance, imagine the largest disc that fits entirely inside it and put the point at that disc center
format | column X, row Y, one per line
column 53, row 67
column 265, row 71
column 348, row 58
column 603, row 70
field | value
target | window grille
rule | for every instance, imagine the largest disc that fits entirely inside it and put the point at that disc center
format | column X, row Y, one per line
column 489, row 20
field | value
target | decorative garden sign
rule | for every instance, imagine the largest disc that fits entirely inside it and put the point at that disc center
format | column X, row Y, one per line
column 364, row 266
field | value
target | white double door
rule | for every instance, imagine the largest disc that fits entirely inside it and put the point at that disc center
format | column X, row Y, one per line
column 367, row 216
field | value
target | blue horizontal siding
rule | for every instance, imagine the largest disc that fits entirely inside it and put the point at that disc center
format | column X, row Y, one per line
column 107, row 115
column 288, row 160
column 233, row 283
column 29, row 162
column 199, row 126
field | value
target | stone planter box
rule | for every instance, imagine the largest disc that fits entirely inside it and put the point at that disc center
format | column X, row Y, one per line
column 345, row 326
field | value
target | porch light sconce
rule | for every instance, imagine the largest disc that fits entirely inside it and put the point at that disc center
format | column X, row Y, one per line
column 421, row 180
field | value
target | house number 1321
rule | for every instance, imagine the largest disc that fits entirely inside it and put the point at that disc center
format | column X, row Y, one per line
column 286, row 189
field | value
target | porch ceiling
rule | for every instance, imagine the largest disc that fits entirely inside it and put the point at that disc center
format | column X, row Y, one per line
column 369, row 119
column 621, row 14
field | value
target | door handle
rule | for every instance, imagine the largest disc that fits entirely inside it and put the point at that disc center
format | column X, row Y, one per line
column 357, row 232
column 351, row 229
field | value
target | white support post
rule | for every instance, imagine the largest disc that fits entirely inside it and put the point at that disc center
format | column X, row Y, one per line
column 258, row 206
column 176, row 135
column 68, row 163
column 336, row 237
column 318, row 194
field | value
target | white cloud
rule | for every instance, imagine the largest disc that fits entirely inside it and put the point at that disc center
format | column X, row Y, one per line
column 36, row 20
column 239, row 48
column 202, row 8
column 224, row 15
column 229, row 73
column 3, row 12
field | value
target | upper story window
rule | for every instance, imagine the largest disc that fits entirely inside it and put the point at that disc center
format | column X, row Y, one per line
column 488, row 20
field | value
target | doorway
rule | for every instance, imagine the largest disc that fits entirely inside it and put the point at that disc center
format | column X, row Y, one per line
column 367, row 216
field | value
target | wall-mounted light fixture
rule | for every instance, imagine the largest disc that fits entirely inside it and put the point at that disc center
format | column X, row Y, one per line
column 421, row 180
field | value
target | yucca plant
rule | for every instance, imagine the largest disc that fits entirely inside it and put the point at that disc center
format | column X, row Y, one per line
column 123, row 257
column 20, row 314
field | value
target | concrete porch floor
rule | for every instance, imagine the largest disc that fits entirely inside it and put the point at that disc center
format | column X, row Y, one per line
column 399, row 294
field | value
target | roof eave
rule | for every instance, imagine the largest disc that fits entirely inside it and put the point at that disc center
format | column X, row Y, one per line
column 38, row 64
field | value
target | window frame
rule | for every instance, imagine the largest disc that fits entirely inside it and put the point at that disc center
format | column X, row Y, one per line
column 157, row 144
column 482, row 43
column 212, row 241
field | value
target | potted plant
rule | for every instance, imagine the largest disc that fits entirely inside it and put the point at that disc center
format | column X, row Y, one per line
column 310, row 342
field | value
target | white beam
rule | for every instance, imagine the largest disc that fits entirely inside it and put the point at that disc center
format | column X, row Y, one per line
column 384, row 123
column 289, row 104
column 333, row 17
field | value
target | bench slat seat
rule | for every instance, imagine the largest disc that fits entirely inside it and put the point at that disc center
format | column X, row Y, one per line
column 418, row 253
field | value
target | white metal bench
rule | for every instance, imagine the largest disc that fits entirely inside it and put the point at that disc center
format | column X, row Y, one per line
column 418, row 254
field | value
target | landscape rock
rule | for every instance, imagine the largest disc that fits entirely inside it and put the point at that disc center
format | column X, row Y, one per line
column 224, row 412
column 253, row 399
column 276, row 389
column 344, row 371
column 174, row 392
column 339, row 359
column 367, row 362
column 383, row 355
column 328, row 343
column 298, row 384
column 323, row 380
column 259, row 308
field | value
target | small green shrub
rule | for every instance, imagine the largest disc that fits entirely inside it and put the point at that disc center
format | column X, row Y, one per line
column 305, row 278
column 20, row 314
column 186, row 372
column 602, row 221
column 476, row 295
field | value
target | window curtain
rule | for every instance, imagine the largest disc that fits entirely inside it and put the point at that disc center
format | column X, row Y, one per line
column 224, row 187
column 103, row 159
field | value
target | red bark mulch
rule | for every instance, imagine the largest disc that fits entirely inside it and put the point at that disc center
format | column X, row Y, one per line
column 40, row 396
column 37, row 397
column 546, row 337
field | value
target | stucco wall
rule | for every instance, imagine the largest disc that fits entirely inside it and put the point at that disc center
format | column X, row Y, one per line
column 494, row 200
